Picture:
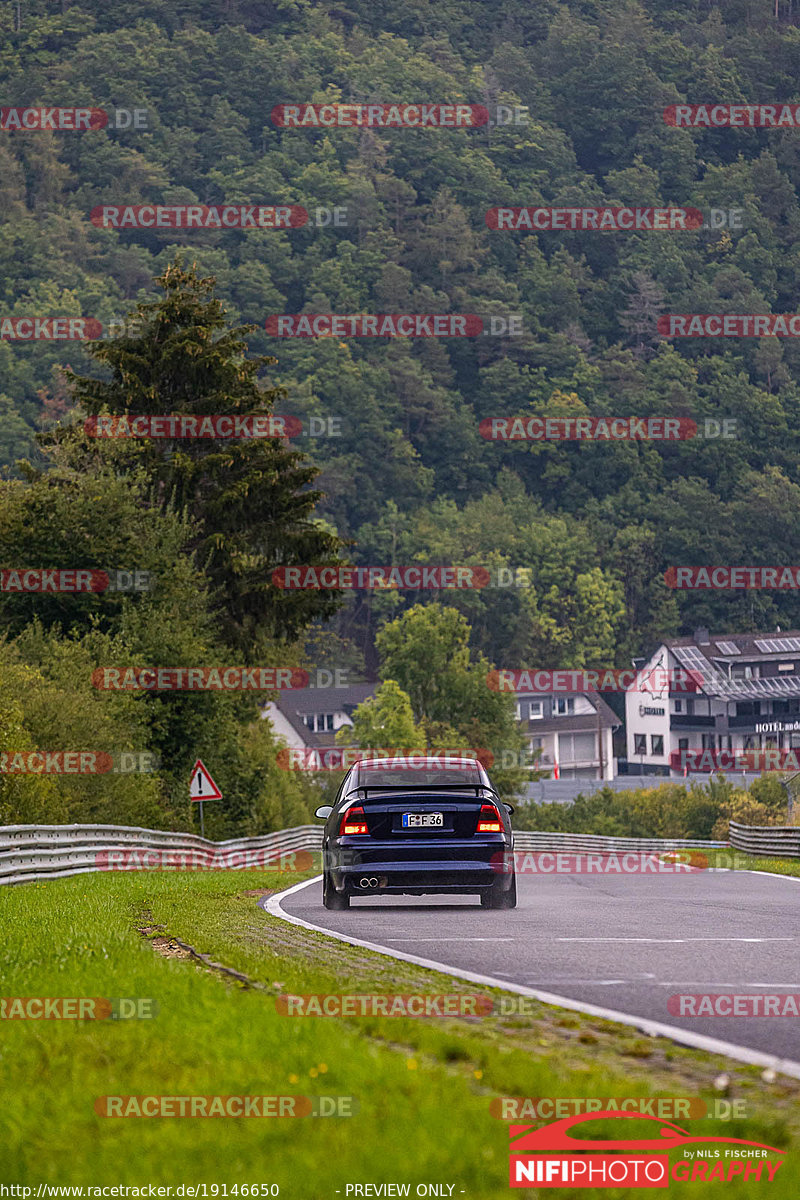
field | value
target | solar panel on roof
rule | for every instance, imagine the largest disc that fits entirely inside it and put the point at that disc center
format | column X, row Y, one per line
column 741, row 689
column 694, row 660
column 728, row 648
column 777, row 645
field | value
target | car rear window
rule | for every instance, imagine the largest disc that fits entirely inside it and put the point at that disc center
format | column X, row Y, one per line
column 424, row 776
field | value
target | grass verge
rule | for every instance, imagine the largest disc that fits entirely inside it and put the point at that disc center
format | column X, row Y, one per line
column 423, row 1086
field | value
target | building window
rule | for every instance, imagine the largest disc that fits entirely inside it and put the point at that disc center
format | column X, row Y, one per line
column 683, row 743
column 690, row 708
column 748, row 708
column 640, row 743
column 708, row 741
column 564, row 708
column 678, row 706
column 657, row 743
column 577, row 748
column 745, row 671
column 319, row 722
column 535, row 710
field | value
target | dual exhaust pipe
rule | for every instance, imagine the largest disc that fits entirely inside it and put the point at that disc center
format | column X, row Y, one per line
column 366, row 882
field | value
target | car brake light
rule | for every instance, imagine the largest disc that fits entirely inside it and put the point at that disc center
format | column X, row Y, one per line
column 489, row 820
column 350, row 822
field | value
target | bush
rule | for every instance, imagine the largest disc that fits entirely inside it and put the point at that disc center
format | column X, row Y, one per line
column 671, row 810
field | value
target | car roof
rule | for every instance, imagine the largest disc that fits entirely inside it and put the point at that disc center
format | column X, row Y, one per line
column 433, row 760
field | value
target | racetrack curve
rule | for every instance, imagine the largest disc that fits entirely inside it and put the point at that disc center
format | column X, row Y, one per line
column 615, row 946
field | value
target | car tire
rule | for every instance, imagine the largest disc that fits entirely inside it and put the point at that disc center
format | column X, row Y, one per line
column 496, row 897
column 331, row 898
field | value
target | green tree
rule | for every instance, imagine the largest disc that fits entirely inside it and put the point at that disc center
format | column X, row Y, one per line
column 250, row 499
column 385, row 720
column 426, row 651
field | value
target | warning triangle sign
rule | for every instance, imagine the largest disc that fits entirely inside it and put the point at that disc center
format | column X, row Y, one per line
column 202, row 786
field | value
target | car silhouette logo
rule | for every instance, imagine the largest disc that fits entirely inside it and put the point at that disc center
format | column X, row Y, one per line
column 526, row 1139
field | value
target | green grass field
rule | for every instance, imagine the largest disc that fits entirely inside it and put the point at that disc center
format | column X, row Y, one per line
column 422, row 1086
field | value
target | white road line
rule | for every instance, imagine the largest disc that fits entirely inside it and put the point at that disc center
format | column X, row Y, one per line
column 685, row 1037
column 662, row 941
column 737, row 987
column 449, row 939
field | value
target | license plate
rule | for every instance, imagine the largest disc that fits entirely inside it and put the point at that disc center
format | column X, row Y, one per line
column 422, row 820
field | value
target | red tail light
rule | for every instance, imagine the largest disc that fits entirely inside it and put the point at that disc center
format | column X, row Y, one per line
column 353, row 822
column 489, row 820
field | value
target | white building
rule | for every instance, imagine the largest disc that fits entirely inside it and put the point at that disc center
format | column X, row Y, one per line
column 308, row 718
column 573, row 730
column 748, row 699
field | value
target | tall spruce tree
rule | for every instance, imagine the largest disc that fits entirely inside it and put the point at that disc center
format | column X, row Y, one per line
column 251, row 499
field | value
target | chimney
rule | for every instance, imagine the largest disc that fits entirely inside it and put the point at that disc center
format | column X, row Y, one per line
column 701, row 637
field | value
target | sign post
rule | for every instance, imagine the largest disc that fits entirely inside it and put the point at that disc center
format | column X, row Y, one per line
column 202, row 787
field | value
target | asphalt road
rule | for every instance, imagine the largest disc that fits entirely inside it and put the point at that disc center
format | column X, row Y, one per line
column 623, row 943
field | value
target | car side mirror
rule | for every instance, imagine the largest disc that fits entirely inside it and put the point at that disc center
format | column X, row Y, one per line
column 324, row 811
column 509, row 808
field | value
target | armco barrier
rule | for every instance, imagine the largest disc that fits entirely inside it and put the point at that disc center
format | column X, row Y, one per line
column 32, row 852
column 36, row 852
column 599, row 844
column 769, row 841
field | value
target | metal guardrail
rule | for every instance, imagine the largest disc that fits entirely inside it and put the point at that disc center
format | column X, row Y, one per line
column 769, row 841
column 36, row 852
column 599, row 844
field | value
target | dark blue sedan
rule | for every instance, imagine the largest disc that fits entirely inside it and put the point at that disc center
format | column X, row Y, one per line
column 436, row 827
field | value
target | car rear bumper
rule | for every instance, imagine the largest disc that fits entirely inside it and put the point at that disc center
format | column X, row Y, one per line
column 459, row 867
